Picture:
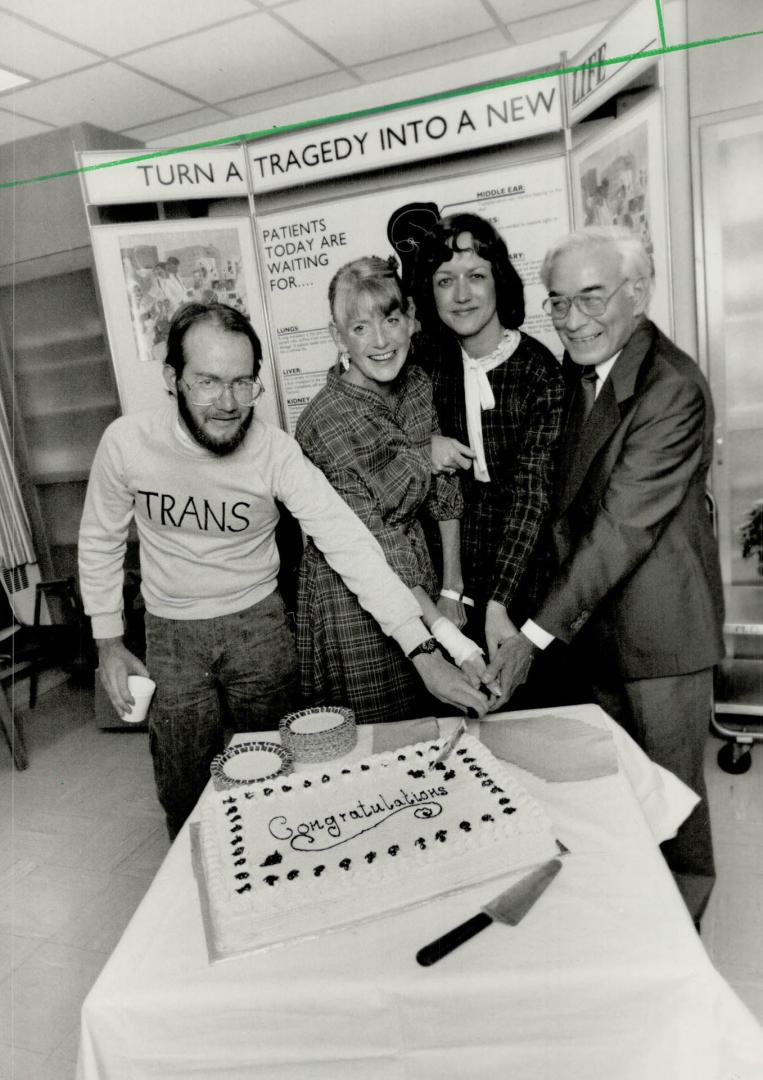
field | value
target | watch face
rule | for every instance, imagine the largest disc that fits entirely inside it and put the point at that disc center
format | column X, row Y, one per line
column 429, row 645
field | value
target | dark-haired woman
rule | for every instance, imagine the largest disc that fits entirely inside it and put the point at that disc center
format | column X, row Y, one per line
column 499, row 396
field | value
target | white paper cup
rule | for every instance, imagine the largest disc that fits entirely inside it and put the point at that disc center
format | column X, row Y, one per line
column 142, row 689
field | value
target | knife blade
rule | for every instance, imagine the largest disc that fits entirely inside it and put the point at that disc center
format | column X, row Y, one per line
column 510, row 907
column 450, row 745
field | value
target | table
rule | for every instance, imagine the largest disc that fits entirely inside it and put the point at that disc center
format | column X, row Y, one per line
column 605, row 977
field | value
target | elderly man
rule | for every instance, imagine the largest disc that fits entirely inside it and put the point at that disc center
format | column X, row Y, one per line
column 201, row 481
column 636, row 590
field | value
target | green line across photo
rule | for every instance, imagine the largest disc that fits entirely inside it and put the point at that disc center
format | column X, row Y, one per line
column 376, row 110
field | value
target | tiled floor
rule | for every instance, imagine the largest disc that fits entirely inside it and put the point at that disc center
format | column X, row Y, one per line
column 732, row 929
column 81, row 836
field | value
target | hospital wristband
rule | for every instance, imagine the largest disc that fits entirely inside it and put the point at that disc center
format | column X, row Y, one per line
column 461, row 598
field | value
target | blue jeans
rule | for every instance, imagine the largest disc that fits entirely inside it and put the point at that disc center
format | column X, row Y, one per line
column 236, row 671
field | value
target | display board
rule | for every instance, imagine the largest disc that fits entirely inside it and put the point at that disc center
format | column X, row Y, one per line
column 302, row 250
column 619, row 178
column 617, row 175
column 147, row 271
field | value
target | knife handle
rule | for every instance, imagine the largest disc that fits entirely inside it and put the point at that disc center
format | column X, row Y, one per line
column 455, row 937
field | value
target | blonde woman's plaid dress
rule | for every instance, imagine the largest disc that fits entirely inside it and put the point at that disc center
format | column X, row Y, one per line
column 376, row 454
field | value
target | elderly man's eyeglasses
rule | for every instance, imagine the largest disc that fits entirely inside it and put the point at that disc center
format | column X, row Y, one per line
column 208, row 389
column 558, row 307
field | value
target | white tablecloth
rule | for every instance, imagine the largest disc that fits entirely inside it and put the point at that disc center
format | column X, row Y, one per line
column 605, row 977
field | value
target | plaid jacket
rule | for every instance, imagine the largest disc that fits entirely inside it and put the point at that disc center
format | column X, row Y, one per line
column 502, row 519
column 376, row 454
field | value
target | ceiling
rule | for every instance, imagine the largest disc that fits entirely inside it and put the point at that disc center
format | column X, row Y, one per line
column 150, row 68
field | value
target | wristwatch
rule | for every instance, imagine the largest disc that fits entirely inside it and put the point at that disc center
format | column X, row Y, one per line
column 428, row 646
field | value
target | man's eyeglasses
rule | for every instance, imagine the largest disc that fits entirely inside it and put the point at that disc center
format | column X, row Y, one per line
column 558, row 307
column 208, row 389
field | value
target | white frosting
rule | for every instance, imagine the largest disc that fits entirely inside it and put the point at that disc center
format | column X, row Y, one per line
column 344, row 842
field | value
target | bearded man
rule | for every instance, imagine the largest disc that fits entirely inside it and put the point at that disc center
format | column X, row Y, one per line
column 201, row 480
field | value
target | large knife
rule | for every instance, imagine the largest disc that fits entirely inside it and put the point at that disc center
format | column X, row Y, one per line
column 510, row 907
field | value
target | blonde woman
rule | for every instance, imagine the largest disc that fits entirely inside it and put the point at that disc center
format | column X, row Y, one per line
column 369, row 430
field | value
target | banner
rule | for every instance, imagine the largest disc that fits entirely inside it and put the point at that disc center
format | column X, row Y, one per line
column 463, row 122
column 633, row 31
column 217, row 172
column 303, row 249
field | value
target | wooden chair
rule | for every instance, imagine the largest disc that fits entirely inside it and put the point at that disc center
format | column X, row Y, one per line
column 27, row 650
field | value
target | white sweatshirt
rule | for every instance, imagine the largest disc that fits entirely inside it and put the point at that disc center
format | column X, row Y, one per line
column 206, row 526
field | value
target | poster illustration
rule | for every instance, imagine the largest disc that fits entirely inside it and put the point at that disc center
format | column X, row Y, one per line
column 303, row 249
column 148, row 271
column 614, row 184
column 619, row 179
column 162, row 272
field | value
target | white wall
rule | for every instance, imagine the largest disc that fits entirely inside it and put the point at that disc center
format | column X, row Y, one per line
column 727, row 74
column 678, row 155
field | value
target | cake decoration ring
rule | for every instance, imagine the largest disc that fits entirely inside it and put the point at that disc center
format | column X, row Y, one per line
column 319, row 734
column 224, row 777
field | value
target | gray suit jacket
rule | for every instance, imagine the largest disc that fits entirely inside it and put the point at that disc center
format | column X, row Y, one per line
column 637, row 581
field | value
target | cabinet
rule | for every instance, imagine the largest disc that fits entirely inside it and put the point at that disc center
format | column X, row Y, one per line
column 56, row 372
column 64, row 396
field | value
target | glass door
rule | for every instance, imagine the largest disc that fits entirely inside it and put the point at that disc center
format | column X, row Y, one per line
column 731, row 278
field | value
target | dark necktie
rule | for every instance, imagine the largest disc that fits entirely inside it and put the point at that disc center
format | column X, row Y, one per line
column 580, row 408
column 588, row 387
